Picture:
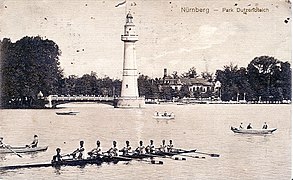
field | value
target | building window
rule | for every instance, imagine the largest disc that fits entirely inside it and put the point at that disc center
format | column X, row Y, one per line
column 197, row 88
column 193, row 89
column 126, row 85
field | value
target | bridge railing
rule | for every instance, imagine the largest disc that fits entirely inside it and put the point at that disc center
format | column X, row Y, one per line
column 78, row 98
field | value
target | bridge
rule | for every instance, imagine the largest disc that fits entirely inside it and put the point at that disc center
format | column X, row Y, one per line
column 54, row 100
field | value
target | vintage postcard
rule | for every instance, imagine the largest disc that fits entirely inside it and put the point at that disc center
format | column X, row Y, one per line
column 145, row 89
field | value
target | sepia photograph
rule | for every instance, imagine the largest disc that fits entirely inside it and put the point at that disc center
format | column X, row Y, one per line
column 146, row 89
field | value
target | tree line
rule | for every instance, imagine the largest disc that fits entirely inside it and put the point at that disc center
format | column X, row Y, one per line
column 31, row 65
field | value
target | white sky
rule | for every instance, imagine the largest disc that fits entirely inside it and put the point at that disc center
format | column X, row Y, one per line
column 168, row 38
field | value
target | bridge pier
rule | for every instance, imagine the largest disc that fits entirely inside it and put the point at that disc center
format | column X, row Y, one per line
column 50, row 105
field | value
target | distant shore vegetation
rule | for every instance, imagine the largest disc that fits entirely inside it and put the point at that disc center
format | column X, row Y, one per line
column 30, row 68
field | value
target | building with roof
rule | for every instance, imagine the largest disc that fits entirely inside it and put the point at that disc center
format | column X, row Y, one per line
column 197, row 86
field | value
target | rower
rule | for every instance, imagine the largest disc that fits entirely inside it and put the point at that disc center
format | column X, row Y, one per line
column 34, row 143
column 150, row 148
column 163, row 146
column 2, row 145
column 126, row 149
column 79, row 150
column 241, row 126
column 96, row 151
column 170, row 146
column 140, row 148
column 57, row 157
column 113, row 151
column 265, row 126
column 249, row 126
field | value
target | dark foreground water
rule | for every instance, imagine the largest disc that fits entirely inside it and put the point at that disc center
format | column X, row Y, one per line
column 204, row 127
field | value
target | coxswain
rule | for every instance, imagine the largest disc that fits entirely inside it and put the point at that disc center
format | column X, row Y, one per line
column 150, row 148
column 126, row 149
column 140, row 148
column 249, row 126
column 241, row 126
column 170, row 146
column 34, row 143
column 57, row 157
column 265, row 126
column 113, row 151
column 96, row 151
column 79, row 150
column 163, row 147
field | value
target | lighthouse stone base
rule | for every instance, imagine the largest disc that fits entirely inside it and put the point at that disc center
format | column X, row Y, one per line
column 129, row 102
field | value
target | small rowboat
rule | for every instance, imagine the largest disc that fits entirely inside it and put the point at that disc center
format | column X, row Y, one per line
column 253, row 131
column 22, row 149
column 69, row 162
column 67, row 113
column 165, row 116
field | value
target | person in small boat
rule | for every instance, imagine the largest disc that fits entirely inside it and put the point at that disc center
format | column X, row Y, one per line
column 96, row 151
column 113, row 151
column 57, row 157
column 127, row 149
column 79, row 150
column 163, row 147
column 170, row 146
column 249, row 126
column 157, row 113
column 165, row 113
column 150, row 148
column 241, row 126
column 140, row 148
column 265, row 126
column 34, row 143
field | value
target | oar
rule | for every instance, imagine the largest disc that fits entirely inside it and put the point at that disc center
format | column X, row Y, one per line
column 194, row 151
column 12, row 151
column 192, row 156
column 152, row 161
column 176, row 154
column 166, row 156
column 212, row 155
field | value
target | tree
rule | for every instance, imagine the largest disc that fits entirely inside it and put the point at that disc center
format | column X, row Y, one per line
column 234, row 83
column 28, row 66
column 190, row 74
column 270, row 78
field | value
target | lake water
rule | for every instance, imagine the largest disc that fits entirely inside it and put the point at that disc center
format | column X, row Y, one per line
column 203, row 127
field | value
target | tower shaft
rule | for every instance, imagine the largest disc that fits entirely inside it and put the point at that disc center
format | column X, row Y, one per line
column 129, row 91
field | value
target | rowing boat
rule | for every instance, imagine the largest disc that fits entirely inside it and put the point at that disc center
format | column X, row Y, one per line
column 67, row 113
column 165, row 116
column 22, row 149
column 139, row 156
column 69, row 162
column 253, row 131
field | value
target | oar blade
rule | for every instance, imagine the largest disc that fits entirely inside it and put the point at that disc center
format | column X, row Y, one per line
column 215, row 155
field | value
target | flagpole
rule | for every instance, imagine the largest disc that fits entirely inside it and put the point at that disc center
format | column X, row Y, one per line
column 125, row 7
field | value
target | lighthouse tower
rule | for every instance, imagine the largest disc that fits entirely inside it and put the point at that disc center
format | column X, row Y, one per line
column 129, row 91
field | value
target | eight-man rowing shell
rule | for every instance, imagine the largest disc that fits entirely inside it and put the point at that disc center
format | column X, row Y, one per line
column 22, row 149
column 69, row 162
column 253, row 131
